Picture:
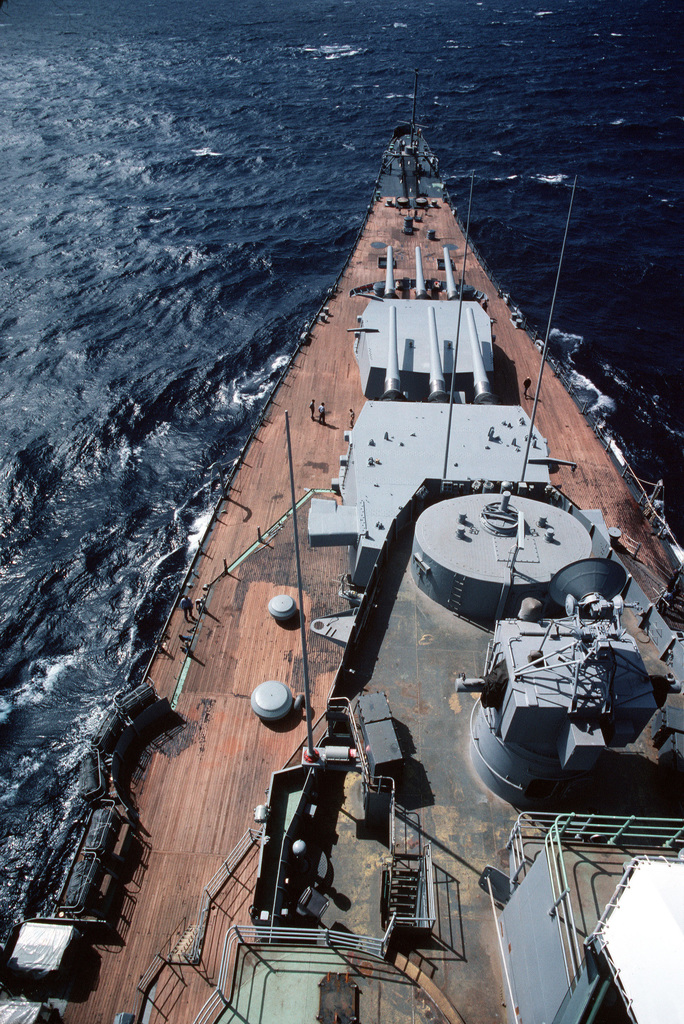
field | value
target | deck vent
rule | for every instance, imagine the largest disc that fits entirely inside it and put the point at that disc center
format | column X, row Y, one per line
column 282, row 607
column 271, row 700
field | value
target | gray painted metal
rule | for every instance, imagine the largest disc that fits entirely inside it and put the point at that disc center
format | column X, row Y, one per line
column 437, row 385
column 390, row 287
column 572, row 688
column 452, row 290
column 481, row 386
column 414, row 347
column 392, row 381
column 462, row 538
column 533, row 950
column 394, row 449
column 421, row 290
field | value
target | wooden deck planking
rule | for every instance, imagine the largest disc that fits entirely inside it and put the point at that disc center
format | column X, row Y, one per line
column 198, row 791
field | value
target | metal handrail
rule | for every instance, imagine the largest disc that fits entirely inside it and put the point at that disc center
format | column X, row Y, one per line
column 214, row 886
column 239, row 935
column 600, row 829
column 593, row 829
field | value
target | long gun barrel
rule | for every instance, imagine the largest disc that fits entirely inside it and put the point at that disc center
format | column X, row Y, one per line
column 390, row 286
column 392, row 379
column 452, row 290
column 437, row 388
column 483, row 389
column 421, row 291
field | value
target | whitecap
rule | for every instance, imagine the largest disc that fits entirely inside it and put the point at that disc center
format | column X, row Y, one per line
column 569, row 343
column 205, row 152
column 5, row 710
column 345, row 53
column 198, row 528
column 543, row 14
column 43, row 677
column 400, row 24
column 594, row 399
column 551, row 179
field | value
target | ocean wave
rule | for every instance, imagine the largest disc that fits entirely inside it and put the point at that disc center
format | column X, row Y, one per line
column 550, row 179
column 594, row 400
column 43, row 677
column 250, row 390
column 197, row 529
column 331, row 51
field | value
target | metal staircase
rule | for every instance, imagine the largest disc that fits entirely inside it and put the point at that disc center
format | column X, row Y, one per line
column 408, row 887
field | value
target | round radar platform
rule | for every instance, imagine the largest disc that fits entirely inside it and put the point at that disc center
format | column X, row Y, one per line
column 271, row 700
column 282, row 607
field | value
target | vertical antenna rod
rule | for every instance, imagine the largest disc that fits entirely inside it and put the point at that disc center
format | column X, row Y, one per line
column 305, row 664
column 546, row 340
column 458, row 331
column 415, row 96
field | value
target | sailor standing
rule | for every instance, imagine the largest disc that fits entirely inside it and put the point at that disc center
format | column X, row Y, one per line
column 312, row 406
column 186, row 605
column 321, row 413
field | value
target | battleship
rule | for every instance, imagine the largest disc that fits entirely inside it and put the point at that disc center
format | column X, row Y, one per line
column 409, row 747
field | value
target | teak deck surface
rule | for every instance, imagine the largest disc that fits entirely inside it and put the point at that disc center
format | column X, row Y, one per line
column 198, row 789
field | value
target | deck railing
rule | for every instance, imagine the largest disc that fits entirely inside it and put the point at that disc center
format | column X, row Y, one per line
column 227, row 480
column 551, row 831
column 212, row 889
column 259, row 935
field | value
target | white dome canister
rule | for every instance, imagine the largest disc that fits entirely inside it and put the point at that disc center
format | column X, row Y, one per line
column 271, row 700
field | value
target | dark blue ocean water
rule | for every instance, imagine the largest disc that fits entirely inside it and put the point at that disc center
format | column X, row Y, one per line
column 179, row 184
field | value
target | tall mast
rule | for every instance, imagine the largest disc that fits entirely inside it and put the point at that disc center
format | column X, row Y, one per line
column 309, row 752
column 546, row 340
column 415, row 96
column 458, row 330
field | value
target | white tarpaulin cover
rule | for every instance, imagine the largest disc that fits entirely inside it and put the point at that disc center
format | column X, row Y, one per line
column 18, row 1011
column 643, row 936
column 40, row 947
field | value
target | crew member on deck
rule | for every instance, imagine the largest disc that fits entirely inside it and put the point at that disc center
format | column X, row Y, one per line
column 186, row 605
